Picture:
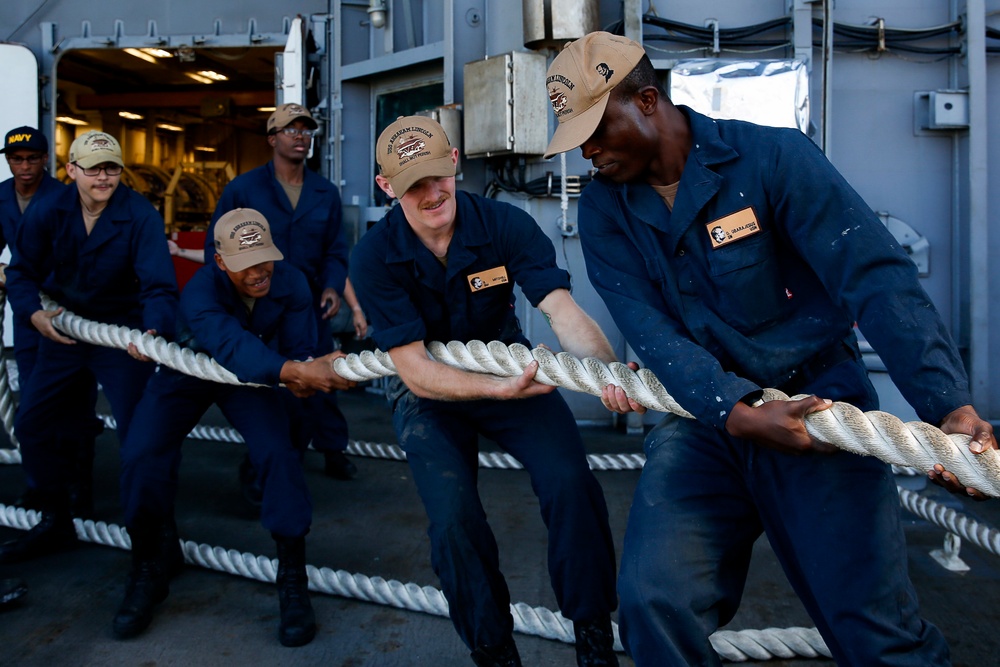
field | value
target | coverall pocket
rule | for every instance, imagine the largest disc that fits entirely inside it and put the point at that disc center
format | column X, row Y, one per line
column 748, row 287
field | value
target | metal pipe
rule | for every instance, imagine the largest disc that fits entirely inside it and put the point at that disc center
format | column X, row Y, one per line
column 827, row 102
column 979, row 187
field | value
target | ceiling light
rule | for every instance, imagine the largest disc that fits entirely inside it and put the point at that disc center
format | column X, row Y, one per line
column 198, row 77
column 214, row 76
column 158, row 53
column 168, row 126
column 69, row 120
column 206, row 149
column 266, row 109
column 128, row 115
column 141, row 55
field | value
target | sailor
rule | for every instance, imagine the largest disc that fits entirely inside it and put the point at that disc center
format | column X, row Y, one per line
column 442, row 266
column 98, row 249
column 252, row 313
column 305, row 214
column 734, row 257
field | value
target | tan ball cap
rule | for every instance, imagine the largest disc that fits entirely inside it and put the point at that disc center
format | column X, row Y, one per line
column 287, row 114
column 580, row 81
column 93, row 148
column 411, row 148
column 243, row 239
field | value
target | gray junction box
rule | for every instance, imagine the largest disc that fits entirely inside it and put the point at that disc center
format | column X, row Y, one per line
column 506, row 109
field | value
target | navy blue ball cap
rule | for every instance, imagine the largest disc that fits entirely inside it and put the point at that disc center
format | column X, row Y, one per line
column 25, row 138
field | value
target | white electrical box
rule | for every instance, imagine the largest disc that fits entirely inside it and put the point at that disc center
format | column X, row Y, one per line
column 949, row 109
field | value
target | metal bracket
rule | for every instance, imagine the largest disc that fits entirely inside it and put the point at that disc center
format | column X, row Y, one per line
column 948, row 555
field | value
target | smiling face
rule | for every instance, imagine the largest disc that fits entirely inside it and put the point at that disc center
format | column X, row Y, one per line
column 429, row 204
column 253, row 282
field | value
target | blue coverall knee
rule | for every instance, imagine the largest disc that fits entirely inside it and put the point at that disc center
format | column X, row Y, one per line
column 172, row 406
column 50, row 395
column 441, row 442
column 701, row 502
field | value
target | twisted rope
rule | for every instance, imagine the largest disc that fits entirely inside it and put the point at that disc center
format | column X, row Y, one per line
column 735, row 646
column 874, row 433
column 171, row 355
column 983, row 536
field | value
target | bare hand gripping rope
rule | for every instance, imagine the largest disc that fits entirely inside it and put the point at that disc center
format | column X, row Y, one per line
column 874, row 433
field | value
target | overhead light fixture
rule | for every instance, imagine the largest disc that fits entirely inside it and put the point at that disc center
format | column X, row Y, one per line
column 266, row 109
column 141, row 55
column 128, row 115
column 206, row 149
column 377, row 13
column 168, row 126
column 198, row 77
column 69, row 120
column 214, row 76
column 158, row 53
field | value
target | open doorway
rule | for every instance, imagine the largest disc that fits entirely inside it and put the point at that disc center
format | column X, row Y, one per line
column 188, row 119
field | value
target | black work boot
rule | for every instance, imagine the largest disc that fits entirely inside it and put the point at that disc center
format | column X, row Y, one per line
column 595, row 644
column 337, row 465
column 298, row 623
column 498, row 655
column 55, row 532
column 148, row 583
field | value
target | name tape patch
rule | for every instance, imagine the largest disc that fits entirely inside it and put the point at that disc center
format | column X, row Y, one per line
column 733, row 227
column 488, row 278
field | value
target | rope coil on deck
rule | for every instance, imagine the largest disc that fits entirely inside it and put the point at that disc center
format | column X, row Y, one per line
column 732, row 645
column 873, row 433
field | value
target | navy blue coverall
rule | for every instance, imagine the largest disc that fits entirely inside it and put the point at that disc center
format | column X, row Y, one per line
column 25, row 335
column 254, row 346
column 312, row 239
column 85, row 426
column 121, row 273
column 772, row 306
column 409, row 296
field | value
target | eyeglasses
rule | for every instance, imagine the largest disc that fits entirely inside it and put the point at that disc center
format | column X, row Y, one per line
column 294, row 132
column 20, row 159
column 109, row 169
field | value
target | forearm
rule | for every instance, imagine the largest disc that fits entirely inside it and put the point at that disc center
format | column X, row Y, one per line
column 577, row 332
column 350, row 297
column 432, row 379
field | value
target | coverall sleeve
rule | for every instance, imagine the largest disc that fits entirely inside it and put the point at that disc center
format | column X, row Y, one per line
column 867, row 273
column 395, row 320
column 219, row 332
column 27, row 271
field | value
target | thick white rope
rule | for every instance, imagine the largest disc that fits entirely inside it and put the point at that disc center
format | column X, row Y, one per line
column 914, row 444
column 735, row 646
column 171, row 355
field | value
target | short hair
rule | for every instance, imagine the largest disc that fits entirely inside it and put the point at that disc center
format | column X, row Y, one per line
column 641, row 76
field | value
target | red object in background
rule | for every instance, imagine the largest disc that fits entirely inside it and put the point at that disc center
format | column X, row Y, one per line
column 185, row 268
